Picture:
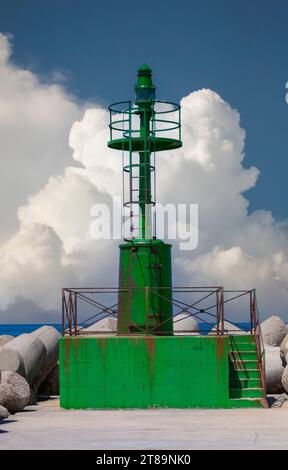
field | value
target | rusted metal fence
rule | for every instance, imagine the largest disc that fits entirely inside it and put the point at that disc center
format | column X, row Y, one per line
column 205, row 304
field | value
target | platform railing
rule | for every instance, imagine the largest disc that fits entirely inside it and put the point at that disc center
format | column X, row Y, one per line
column 82, row 307
column 207, row 307
column 259, row 343
column 139, row 175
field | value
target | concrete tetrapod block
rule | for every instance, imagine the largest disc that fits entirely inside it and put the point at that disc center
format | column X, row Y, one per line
column 284, row 379
column 273, row 369
column 4, row 413
column 284, row 350
column 105, row 324
column 50, row 386
column 33, row 398
column 31, row 350
column 14, row 392
column 49, row 336
column 11, row 360
column 273, row 330
column 5, row 339
column 230, row 328
column 184, row 322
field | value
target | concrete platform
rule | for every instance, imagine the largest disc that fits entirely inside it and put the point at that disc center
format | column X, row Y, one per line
column 46, row 426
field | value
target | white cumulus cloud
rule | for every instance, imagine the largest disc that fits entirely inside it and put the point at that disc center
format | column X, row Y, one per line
column 46, row 199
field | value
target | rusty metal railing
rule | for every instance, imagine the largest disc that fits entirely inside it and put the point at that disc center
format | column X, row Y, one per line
column 204, row 304
column 259, row 345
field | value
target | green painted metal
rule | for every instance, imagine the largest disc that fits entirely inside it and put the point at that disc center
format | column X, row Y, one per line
column 236, row 341
column 144, row 365
column 156, row 144
column 244, row 355
column 144, row 88
column 144, row 303
column 245, row 383
column 246, row 392
column 145, row 298
column 246, row 403
column 145, row 96
column 121, row 120
column 240, row 364
column 244, row 373
column 242, row 347
column 145, row 141
column 149, row 371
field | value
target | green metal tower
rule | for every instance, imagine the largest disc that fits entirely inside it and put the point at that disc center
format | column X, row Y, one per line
column 143, row 364
column 140, row 130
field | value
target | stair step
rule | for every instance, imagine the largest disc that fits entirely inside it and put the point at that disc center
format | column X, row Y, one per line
column 243, row 355
column 246, row 393
column 240, row 339
column 246, row 403
column 245, row 383
column 242, row 347
column 244, row 373
column 243, row 365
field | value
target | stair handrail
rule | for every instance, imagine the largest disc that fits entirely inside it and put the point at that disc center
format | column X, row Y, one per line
column 259, row 343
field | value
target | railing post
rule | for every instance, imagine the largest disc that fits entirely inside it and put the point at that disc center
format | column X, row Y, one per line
column 63, row 314
column 217, row 311
column 75, row 314
column 255, row 316
column 70, row 314
column 251, row 312
column 222, row 310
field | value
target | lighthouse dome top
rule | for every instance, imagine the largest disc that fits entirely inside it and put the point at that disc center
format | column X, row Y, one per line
column 144, row 70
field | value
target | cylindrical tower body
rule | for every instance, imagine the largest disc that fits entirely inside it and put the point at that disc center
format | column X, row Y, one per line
column 145, row 281
column 145, row 297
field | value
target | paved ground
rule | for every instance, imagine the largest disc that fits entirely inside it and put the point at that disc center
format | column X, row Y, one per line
column 45, row 426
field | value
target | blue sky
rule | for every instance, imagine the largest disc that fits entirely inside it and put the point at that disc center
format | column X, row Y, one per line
column 237, row 48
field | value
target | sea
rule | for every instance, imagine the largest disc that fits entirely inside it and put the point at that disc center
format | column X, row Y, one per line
column 16, row 330
column 19, row 329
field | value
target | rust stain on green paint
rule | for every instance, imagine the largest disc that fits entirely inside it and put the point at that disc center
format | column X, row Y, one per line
column 220, row 347
column 150, row 344
column 220, row 354
column 192, row 373
column 67, row 353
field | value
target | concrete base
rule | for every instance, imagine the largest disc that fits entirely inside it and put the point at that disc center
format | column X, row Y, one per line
column 155, row 371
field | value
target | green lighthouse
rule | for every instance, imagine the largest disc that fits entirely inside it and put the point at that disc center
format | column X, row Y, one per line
column 147, row 361
column 145, row 261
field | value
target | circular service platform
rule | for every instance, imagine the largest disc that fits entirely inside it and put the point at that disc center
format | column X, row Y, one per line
column 137, row 144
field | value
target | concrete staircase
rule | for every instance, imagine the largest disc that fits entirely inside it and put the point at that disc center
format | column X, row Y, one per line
column 246, row 388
